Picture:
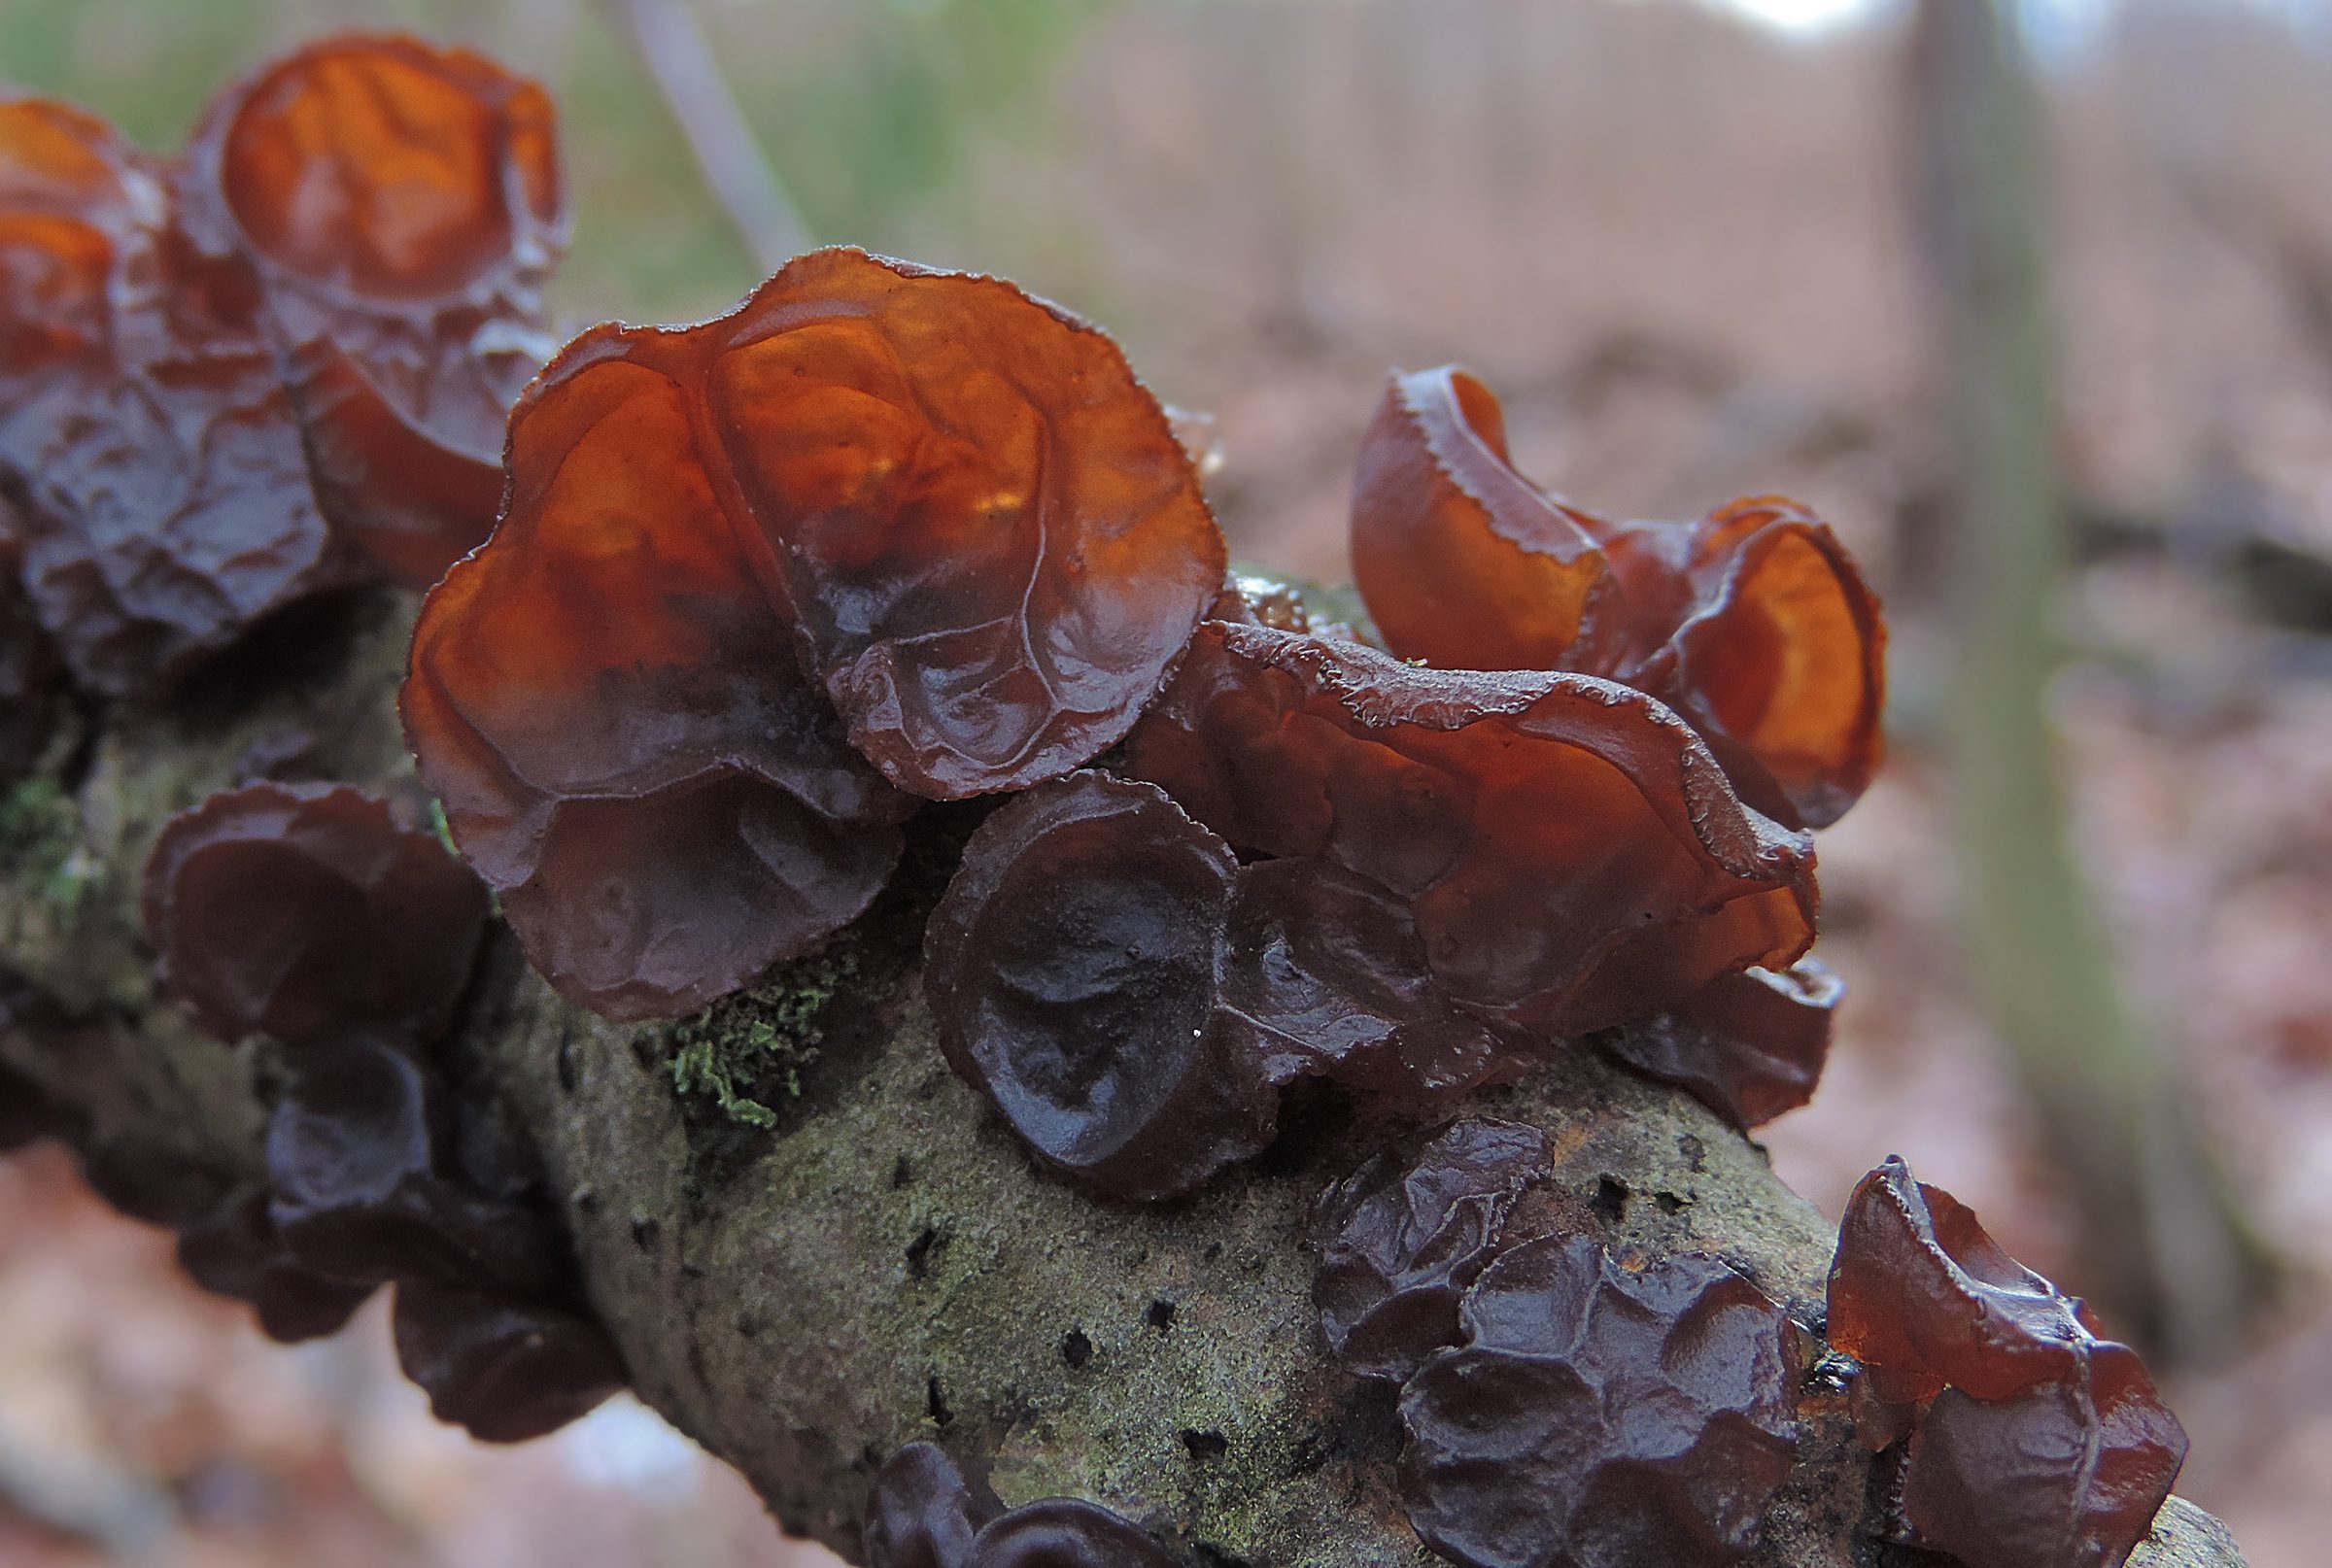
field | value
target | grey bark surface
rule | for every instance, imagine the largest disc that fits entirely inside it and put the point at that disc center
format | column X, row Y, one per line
column 883, row 1264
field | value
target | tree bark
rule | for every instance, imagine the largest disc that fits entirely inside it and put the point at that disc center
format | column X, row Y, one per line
column 883, row 1264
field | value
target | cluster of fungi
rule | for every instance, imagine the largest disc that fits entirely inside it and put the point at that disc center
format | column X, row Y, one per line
column 713, row 612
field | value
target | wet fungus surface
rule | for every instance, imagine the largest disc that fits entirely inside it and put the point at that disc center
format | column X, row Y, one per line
column 399, row 206
column 1750, row 1045
column 1753, row 623
column 924, row 1512
column 302, row 910
column 2034, row 1441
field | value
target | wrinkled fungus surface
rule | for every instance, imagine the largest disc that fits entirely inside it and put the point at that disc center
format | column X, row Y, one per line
column 299, row 910
column 1601, row 1415
column 146, row 444
column 1753, row 622
column 1074, row 967
column 2034, row 1443
column 1401, row 1241
column 923, row 1513
column 1569, row 850
column 1750, row 1045
column 401, row 206
column 502, row 1369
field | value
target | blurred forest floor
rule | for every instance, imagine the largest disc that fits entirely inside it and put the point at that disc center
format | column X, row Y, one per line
column 1681, row 250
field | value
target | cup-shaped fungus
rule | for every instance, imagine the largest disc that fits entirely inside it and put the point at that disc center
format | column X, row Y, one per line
column 502, row 1369
column 2034, row 1443
column 1571, row 853
column 235, row 1251
column 1065, row 1532
column 146, row 444
column 1749, row 1045
column 1753, row 623
column 923, row 1512
column 1073, row 968
column 1402, row 1240
column 614, row 718
column 299, row 910
column 992, row 544
column 355, row 1154
column 401, row 205
column 1598, row 1415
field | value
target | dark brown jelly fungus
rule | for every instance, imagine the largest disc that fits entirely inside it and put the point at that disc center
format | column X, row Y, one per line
column 992, row 544
column 28, row 1112
column 299, row 910
column 1754, row 622
column 1329, row 974
column 1072, row 967
column 1571, row 853
column 614, row 718
column 924, row 1512
column 1749, row 1045
column 234, row 1252
column 1065, row 1532
column 501, row 1369
column 28, row 665
column 1924, row 1297
column 150, row 1180
column 1401, row 1241
column 147, row 448
column 401, row 206
column 355, row 1155
column 1599, row 1416
column 2065, row 1475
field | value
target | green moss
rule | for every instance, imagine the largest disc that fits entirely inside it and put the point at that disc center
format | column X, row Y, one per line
column 40, row 843
column 748, row 1049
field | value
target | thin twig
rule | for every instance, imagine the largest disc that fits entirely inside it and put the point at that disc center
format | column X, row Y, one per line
column 676, row 54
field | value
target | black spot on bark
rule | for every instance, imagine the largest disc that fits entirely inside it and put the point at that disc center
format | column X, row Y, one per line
column 1205, row 1447
column 1611, row 1202
column 1161, row 1314
column 1076, row 1349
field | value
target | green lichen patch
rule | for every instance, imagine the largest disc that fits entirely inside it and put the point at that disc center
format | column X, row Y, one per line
column 745, row 1054
column 40, row 844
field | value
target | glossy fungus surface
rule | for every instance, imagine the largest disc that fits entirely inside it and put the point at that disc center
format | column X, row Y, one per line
column 401, row 206
column 923, row 1512
column 147, row 448
column 2061, row 1476
column 1753, row 622
column 299, row 910
column 2034, row 1441
column 1569, row 850
column 355, row 1155
column 613, row 716
column 505, row 1369
column 1922, row 1294
column 993, row 545
column 1749, row 1045
column 1601, row 1416
column 1065, row 1532
column 1073, row 967
column 1402, row 1240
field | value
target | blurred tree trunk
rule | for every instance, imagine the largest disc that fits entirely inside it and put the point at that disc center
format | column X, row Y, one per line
column 2167, row 1253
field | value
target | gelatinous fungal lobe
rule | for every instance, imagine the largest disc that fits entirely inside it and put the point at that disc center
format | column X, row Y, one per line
column 1328, row 971
column 1754, row 622
column 147, row 443
column 1571, row 851
column 1065, row 1532
column 502, row 1369
column 1073, row 967
column 1597, row 1414
column 2065, row 1475
column 993, row 545
column 1287, row 604
column 1401, row 1240
column 1464, row 563
column 923, row 1512
column 2034, row 1441
column 613, row 716
column 302, row 910
column 357, row 1161
column 401, row 205
column 1749, row 1045
column 1921, row 1294
column 235, row 1251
